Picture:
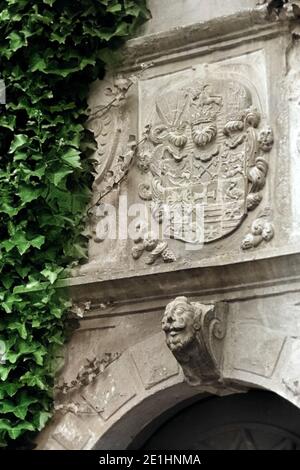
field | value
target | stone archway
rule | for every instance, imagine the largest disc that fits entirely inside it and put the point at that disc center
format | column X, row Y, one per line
column 257, row 420
column 123, row 399
column 146, row 381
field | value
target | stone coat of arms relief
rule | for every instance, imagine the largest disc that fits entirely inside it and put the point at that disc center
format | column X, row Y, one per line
column 200, row 162
column 205, row 147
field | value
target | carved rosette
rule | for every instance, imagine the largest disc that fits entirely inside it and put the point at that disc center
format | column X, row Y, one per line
column 195, row 335
column 206, row 146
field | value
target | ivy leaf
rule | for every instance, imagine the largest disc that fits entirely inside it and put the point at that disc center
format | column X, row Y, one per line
column 9, row 389
column 38, row 64
column 31, row 286
column 19, row 141
column 23, row 270
column 136, row 10
column 51, row 273
column 8, row 209
column 49, row 2
column 39, row 356
column 114, row 8
column 109, row 56
column 41, row 419
column 7, row 281
column 57, row 312
column 4, row 15
column 56, row 339
column 21, row 409
column 5, row 370
column 16, row 41
column 61, row 39
column 21, row 242
column 33, row 380
column 10, row 301
column 16, row 431
column 8, row 121
column 22, row 348
column 5, row 425
column 18, row 156
column 24, row 402
column 28, row 193
column 58, row 176
column 38, row 241
column 72, row 158
column 122, row 29
column 20, row 327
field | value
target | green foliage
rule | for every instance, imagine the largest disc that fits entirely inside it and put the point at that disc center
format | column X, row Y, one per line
column 50, row 52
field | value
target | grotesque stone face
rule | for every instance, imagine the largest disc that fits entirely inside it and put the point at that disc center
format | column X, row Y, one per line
column 179, row 324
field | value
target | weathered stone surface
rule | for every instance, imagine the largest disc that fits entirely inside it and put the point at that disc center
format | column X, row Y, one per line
column 214, row 157
column 255, row 349
column 109, row 393
column 51, row 444
column 154, row 362
column 71, row 433
column 190, row 11
column 290, row 370
column 214, row 87
column 246, row 61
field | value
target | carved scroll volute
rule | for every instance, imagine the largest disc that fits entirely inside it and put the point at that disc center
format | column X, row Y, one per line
column 212, row 334
column 195, row 335
column 109, row 123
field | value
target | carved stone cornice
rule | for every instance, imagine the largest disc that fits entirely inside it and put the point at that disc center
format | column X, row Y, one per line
column 195, row 335
column 277, row 267
column 198, row 38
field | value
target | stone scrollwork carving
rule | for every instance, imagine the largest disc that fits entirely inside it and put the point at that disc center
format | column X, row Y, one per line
column 106, row 123
column 205, row 145
column 111, row 180
column 119, row 170
column 115, row 145
column 195, row 335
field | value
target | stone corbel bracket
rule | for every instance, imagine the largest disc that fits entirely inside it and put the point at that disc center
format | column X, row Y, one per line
column 195, row 334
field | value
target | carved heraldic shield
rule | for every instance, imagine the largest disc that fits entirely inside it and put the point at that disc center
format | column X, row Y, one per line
column 203, row 150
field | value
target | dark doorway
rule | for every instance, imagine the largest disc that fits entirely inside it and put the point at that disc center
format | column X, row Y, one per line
column 255, row 420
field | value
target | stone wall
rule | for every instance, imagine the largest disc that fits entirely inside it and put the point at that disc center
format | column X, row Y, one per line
column 202, row 113
column 185, row 12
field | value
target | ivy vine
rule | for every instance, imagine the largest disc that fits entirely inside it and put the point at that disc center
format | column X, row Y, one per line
column 50, row 52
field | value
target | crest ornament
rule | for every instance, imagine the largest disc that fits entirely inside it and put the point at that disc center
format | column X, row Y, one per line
column 204, row 149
